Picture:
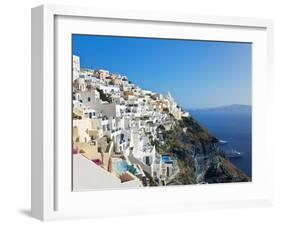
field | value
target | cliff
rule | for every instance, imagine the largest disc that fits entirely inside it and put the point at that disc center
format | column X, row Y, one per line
column 199, row 157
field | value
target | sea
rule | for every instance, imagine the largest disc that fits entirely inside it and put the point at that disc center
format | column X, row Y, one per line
column 233, row 127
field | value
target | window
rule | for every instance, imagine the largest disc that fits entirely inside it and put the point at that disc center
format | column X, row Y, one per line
column 147, row 162
column 168, row 171
column 89, row 99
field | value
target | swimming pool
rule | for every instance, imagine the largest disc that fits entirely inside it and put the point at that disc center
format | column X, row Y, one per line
column 165, row 158
column 119, row 166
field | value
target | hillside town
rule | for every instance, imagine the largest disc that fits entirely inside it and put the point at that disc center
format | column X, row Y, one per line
column 115, row 127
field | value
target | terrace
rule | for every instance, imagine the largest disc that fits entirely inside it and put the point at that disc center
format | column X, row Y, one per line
column 124, row 169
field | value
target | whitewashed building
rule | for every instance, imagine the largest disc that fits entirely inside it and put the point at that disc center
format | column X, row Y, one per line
column 76, row 67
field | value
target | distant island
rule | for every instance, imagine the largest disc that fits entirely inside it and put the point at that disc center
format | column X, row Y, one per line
column 234, row 108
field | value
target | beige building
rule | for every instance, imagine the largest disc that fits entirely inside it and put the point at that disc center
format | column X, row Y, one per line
column 102, row 74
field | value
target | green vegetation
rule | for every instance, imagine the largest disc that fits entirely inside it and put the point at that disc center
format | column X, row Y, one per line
column 186, row 136
column 152, row 182
column 186, row 174
column 195, row 130
column 161, row 128
column 187, row 140
column 108, row 139
column 144, row 117
column 104, row 96
column 149, row 123
column 75, row 116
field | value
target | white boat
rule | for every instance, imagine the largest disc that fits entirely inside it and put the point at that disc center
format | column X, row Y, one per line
column 233, row 154
column 222, row 141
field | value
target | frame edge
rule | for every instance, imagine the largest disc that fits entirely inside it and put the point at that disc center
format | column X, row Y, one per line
column 42, row 24
column 37, row 177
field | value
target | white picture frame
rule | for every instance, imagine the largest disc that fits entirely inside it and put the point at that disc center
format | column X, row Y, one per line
column 52, row 197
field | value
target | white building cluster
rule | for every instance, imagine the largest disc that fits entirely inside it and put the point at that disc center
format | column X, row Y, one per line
column 115, row 124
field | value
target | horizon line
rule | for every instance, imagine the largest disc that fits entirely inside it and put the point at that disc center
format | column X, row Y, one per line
column 218, row 106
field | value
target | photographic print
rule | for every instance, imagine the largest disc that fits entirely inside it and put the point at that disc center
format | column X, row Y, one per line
column 160, row 112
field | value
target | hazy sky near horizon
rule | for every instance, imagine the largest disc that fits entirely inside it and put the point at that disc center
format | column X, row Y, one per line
column 198, row 74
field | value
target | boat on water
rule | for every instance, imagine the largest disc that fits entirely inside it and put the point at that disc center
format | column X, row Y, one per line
column 222, row 141
column 233, row 154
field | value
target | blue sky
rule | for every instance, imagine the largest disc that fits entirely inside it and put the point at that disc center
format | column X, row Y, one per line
column 199, row 74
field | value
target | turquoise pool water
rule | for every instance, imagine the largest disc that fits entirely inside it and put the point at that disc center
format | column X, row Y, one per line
column 165, row 158
column 120, row 167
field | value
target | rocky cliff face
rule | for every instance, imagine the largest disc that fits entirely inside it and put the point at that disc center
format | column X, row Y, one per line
column 199, row 156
